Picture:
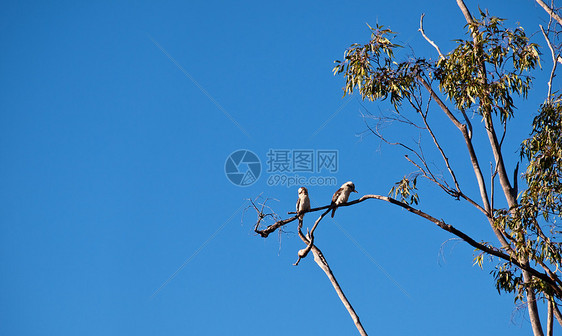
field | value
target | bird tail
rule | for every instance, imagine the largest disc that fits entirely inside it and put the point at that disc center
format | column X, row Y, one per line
column 333, row 212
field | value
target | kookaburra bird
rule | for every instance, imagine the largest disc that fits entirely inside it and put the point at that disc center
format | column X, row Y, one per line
column 342, row 195
column 303, row 204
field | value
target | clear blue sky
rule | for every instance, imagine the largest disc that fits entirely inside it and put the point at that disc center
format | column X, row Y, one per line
column 114, row 132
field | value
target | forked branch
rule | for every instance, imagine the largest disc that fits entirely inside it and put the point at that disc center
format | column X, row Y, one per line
column 318, row 256
column 550, row 12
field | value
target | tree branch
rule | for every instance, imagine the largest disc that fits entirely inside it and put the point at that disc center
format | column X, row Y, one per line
column 557, row 314
column 445, row 158
column 554, row 63
column 304, row 252
column 323, row 264
column 468, row 141
column 440, row 223
column 550, row 11
column 465, row 11
column 427, row 38
column 549, row 319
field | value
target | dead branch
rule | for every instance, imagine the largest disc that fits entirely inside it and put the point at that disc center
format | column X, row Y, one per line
column 427, row 38
column 323, row 264
column 550, row 11
column 441, row 151
column 554, row 63
column 440, row 223
column 468, row 141
column 318, row 256
column 425, row 170
column 304, row 252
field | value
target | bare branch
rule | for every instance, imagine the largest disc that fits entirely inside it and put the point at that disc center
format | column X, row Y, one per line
column 493, row 174
column 304, row 252
column 557, row 314
column 445, row 158
column 383, row 118
column 549, row 317
column 379, row 135
column 271, row 228
column 440, row 223
column 554, row 63
column 549, row 11
column 318, row 256
column 468, row 141
column 425, row 170
column 468, row 124
column 465, row 11
column 427, row 38
column 323, row 264
column 428, row 175
column 441, row 104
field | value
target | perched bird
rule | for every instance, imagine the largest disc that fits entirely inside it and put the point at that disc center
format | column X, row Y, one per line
column 342, row 195
column 303, row 204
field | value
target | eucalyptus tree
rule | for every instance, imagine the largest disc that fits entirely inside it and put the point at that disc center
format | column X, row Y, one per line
column 482, row 75
column 486, row 74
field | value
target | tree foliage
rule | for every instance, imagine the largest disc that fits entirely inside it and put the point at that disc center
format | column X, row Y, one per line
column 484, row 74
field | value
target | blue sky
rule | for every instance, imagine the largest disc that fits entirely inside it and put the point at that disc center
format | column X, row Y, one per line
column 114, row 132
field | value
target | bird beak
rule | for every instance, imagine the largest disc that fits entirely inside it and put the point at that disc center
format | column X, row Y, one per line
column 355, row 191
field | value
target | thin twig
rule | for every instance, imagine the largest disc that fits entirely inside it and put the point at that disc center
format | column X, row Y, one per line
column 441, row 151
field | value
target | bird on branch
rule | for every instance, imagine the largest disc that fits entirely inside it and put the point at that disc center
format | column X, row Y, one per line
column 303, row 203
column 342, row 195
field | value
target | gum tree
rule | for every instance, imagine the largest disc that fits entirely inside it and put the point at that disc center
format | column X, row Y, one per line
column 484, row 75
